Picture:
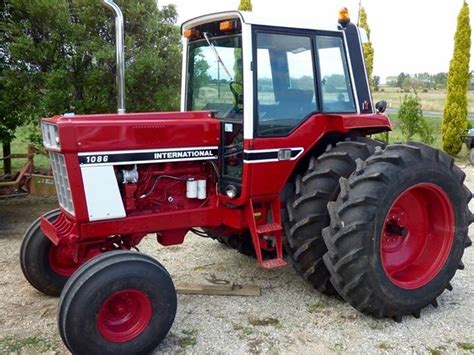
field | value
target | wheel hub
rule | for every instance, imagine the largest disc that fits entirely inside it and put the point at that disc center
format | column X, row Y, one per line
column 417, row 236
column 124, row 315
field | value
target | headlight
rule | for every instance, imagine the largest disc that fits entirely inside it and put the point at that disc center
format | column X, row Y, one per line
column 50, row 135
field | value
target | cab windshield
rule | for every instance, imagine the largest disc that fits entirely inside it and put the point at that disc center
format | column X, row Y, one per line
column 215, row 76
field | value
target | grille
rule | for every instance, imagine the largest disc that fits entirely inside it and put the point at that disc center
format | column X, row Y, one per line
column 61, row 181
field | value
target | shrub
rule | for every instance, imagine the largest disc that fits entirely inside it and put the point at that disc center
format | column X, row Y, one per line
column 412, row 121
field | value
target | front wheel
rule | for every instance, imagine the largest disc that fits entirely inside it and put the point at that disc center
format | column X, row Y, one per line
column 398, row 231
column 45, row 266
column 117, row 303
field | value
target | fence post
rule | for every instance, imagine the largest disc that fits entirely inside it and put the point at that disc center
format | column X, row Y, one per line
column 7, row 163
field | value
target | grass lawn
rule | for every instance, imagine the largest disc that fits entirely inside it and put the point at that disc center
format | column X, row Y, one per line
column 19, row 146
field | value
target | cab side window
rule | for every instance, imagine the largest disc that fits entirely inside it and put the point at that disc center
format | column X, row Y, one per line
column 285, row 82
column 336, row 88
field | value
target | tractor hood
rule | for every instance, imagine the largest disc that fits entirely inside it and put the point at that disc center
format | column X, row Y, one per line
column 133, row 131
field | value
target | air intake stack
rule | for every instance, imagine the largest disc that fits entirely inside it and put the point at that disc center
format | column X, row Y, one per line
column 119, row 48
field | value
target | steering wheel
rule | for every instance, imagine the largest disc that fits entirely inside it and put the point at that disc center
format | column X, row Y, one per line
column 238, row 97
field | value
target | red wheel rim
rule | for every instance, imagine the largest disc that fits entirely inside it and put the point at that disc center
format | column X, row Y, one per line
column 417, row 236
column 124, row 315
column 60, row 261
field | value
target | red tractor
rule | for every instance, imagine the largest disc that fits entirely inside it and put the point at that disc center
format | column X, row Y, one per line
column 270, row 153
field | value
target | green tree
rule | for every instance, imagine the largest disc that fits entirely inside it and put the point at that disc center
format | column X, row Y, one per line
column 376, row 82
column 410, row 84
column 17, row 93
column 368, row 48
column 401, row 78
column 412, row 121
column 455, row 110
column 245, row 5
column 440, row 79
column 60, row 56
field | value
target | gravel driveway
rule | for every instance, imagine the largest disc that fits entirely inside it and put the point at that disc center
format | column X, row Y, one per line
column 289, row 317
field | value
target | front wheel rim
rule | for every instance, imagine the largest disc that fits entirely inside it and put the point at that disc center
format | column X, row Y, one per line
column 417, row 236
column 124, row 315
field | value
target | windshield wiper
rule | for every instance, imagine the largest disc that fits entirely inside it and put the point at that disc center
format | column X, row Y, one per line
column 218, row 57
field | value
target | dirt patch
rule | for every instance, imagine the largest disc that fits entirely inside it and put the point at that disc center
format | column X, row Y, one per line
column 289, row 316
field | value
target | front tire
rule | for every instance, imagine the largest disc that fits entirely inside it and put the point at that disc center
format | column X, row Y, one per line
column 398, row 231
column 117, row 303
column 41, row 262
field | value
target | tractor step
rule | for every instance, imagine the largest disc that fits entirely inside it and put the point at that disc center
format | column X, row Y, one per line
column 268, row 207
column 269, row 228
column 274, row 263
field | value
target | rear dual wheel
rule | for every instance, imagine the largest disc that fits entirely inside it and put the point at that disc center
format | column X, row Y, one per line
column 307, row 213
column 117, row 303
column 398, row 231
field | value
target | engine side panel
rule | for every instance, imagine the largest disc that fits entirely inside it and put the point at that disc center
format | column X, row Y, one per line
column 102, row 193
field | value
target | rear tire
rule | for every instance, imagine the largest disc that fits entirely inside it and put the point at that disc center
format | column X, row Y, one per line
column 307, row 207
column 398, row 231
column 36, row 253
column 117, row 303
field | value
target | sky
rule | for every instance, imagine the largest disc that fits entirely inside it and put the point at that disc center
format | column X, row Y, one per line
column 411, row 36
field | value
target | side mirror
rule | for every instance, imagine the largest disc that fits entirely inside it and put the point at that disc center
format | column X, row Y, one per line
column 381, row 106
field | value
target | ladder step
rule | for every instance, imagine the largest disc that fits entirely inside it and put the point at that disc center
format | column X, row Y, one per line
column 274, row 263
column 268, row 228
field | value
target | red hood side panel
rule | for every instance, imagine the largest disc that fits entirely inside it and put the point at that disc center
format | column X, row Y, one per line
column 87, row 133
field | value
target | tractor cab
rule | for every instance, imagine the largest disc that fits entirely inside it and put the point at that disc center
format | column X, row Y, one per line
column 264, row 80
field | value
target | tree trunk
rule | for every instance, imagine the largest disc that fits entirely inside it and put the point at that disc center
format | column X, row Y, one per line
column 7, row 163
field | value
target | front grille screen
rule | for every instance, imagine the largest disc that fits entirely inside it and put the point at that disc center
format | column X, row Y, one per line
column 61, row 181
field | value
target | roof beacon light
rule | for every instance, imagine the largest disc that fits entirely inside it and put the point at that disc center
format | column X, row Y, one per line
column 344, row 17
column 191, row 33
column 226, row 26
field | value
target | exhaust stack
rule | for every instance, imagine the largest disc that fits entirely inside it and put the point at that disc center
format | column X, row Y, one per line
column 119, row 47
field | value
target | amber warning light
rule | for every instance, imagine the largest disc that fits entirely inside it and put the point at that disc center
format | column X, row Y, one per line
column 191, row 33
column 226, row 26
column 344, row 17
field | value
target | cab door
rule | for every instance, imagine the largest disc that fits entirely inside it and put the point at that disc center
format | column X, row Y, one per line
column 301, row 79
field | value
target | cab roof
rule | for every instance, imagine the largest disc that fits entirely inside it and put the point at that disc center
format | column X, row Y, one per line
column 310, row 23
